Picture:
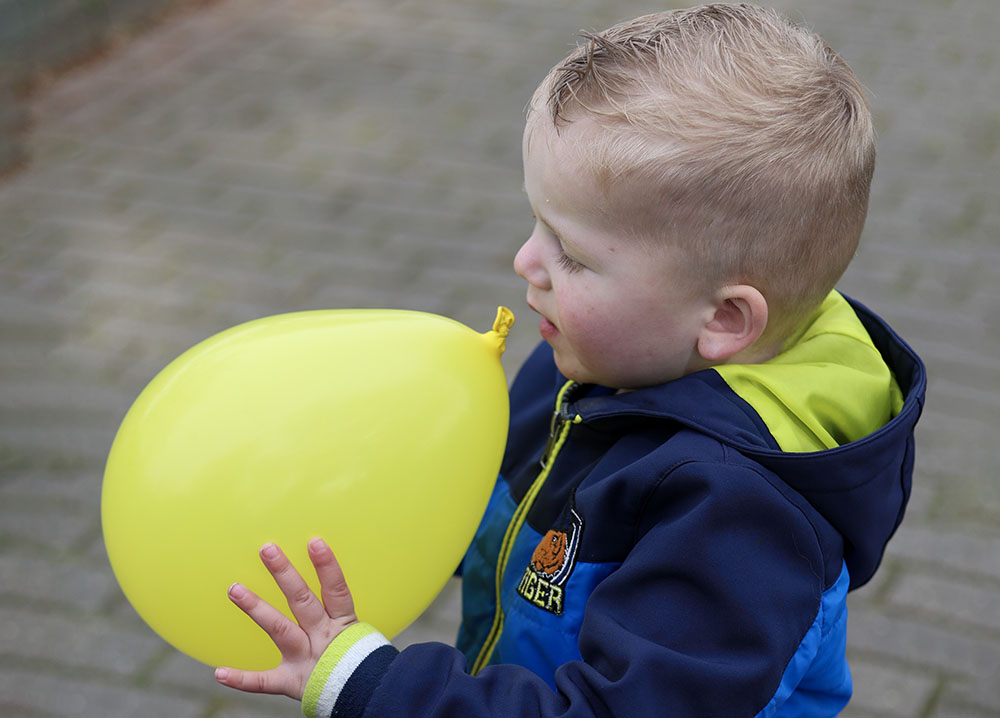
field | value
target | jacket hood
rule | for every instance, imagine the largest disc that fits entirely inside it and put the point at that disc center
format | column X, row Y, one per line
column 854, row 466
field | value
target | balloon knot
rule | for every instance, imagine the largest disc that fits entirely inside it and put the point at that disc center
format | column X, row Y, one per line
column 501, row 328
column 503, row 322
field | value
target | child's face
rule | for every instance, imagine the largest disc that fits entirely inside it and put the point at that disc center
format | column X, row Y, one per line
column 616, row 312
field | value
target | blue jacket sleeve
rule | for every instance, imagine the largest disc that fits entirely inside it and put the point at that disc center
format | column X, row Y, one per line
column 722, row 583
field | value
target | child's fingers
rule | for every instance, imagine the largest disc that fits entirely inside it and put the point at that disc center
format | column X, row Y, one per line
column 306, row 608
column 273, row 681
column 287, row 636
column 333, row 587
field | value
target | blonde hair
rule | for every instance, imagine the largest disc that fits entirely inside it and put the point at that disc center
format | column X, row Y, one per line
column 744, row 139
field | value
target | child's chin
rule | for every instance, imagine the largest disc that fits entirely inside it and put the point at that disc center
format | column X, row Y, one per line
column 570, row 368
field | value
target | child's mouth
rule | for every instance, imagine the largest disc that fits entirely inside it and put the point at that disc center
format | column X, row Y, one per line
column 547, row 329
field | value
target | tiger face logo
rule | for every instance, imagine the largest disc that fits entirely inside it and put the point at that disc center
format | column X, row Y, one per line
column 550, row 554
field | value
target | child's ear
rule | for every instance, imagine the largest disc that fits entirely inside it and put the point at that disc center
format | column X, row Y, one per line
column 738, row 321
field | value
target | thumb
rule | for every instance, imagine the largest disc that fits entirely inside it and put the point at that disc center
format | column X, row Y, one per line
column 274, row 681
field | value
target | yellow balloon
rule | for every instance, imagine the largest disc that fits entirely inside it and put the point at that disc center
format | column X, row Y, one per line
column 380, row 430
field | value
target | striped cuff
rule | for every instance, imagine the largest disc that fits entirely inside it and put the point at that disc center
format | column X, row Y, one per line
column 359, row 646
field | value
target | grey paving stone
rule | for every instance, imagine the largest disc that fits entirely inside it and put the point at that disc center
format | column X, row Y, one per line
column 60, row 489
column 950, row 711
column 40, row 694
column 968, row 696
column 75, row 642
column 952, row 599
column 886, row 691
column 256, row 707
column 64, row 394
column 28, row 580
column 179, row 674
column 950, row 547
column 910, row 641
column 58, row 531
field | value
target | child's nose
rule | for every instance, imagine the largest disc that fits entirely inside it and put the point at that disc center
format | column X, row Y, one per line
column 527, row 263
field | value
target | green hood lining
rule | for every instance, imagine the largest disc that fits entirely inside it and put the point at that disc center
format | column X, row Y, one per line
column 828, row 387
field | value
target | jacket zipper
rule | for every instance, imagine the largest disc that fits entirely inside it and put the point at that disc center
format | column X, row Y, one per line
column 558, row 432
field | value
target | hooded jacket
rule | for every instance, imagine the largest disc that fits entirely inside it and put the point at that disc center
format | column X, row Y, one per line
column 679, row 550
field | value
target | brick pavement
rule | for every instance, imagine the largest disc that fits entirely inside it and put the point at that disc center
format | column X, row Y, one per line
column 260, row 157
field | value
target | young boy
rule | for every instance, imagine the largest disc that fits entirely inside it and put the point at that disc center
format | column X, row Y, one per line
column 710, row 448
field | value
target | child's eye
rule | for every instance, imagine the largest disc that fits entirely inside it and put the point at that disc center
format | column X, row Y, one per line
column 568, row 263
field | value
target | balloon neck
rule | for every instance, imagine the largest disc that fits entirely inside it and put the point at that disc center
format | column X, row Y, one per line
column 501, row 328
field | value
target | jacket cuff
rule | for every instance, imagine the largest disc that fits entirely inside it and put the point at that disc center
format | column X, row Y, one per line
column 347, row 673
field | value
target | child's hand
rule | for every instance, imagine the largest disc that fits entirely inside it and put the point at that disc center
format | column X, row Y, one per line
column 318, row 623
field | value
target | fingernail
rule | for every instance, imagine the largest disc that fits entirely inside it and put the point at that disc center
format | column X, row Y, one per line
column 221, row 674
column 317, row 544
column 237, row 591
column 269, row 550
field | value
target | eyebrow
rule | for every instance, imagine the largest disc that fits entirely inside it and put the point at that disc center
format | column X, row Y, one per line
column 537, row 216
column 554, row 232
column 568, row 247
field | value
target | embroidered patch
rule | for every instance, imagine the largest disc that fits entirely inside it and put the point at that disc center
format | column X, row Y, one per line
column 545, row 577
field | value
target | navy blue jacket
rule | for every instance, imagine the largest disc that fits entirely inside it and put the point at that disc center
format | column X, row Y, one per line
column 661, row 553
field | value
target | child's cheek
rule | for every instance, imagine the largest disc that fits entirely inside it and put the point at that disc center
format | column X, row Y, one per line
column 592, row 331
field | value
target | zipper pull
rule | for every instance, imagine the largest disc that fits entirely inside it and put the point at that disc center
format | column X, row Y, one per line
column 559, row 418
column 553, row 433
